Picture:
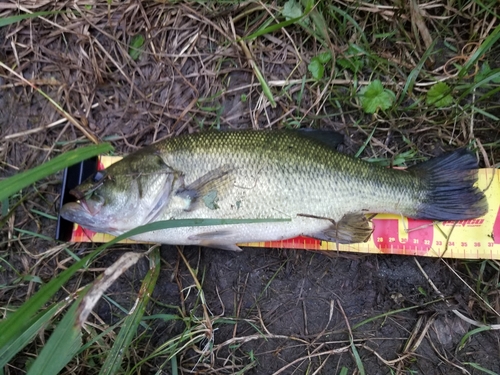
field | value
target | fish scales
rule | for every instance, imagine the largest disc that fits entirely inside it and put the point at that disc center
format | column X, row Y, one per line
column 291, row 174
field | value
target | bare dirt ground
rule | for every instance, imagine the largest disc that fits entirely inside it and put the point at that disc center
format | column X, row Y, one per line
column 275, row 311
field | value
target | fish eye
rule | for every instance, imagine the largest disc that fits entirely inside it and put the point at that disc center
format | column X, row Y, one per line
column 98, row 177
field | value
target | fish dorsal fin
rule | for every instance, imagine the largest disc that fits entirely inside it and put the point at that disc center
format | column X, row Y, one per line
column 207, row 189
column 329, row 138
column 352, row 228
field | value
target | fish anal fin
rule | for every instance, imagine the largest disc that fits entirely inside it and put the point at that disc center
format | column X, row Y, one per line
column 352, row 228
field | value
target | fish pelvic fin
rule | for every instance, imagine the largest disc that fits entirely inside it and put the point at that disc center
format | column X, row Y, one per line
column 451, row 193
column 352, row 228
column 219, row 239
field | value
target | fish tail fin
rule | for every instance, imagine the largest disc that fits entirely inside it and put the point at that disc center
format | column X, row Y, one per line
column 451, row 193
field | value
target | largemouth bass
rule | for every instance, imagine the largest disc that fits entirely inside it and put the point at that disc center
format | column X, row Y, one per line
column 268, row 175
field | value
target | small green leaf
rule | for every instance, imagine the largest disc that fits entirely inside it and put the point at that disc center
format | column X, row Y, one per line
column 352, row 64
column 324, row 57
column 439, row 95
column 135, row 49
column 291, row 10
column 352, row 59
column 484, row 72
column 422, row 291
column 316, row 68
column 374, row 97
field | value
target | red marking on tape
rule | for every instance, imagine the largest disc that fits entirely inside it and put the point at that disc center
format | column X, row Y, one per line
column 82, row 235
column 464, row 223
column 386, row 236
column 295, row 243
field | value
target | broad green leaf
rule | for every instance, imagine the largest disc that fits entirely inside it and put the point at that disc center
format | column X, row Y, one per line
column 65, row 342
column 316, row 68
column 480, row 368
column 320, row 30
column 15, row 183
column 135, row 49
column 324, row 57
column 374, row 97
column 271, row 29
column 439, row 95
column 291, row 10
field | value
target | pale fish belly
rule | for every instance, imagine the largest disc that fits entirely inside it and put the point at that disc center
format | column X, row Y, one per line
column 225, row 236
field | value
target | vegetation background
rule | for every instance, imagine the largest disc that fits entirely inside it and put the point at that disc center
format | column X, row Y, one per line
column 402, row 80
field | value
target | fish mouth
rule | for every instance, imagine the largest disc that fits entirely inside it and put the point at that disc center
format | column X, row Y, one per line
column 86, row 207
column 74, row 211
column 92, row 208
column 79, row 211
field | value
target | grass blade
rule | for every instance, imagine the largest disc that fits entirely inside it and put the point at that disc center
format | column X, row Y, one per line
column 36, row 324
column 468, row 335
column 280, row 25
column 483, row 48
column 15, row 183
column 272, row 28
column 129, row 328
column 15, row 19
column 412, row 77
column 61, row 346
column 480, row 368
column 265, row 87
column 66, row 340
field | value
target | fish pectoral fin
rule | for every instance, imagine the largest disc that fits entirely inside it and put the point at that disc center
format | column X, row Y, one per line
column 352, row 228
column 207, row 189
column 219, row 239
